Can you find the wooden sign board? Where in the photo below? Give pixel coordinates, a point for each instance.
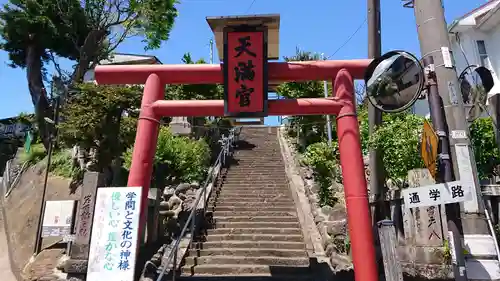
(245, 71)
(58, 218)
(429, 148)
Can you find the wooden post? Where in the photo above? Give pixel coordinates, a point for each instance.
(388, 246)
(77, 264)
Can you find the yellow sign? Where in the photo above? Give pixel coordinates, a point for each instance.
(429, 148)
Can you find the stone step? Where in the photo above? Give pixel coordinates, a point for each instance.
(256, 188)
(251, 206)
(254, 213)
(283, 231)
(246, 197)
(232, 209)
(255, 237)
(230, 269)
(236, 244)
(247, 277)
(258, 183)
(255, 191)
(253, 198)
(255, 194)
(256, 224)
(250, 173)
(256, 175)
(255, 184)
(264, 163)
(257, 200)
(242, 260)
(257, 169)
(254, 219)
(251, 252)
(271, 180)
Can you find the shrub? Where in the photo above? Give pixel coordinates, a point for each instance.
(61, 164)
(35, 155)
(182, 158)
(485, 147)
(323, 160)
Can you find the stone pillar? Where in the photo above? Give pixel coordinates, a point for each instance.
(180, 126)
(76, 266)
(423, 226)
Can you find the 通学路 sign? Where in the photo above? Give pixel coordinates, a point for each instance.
(437, 194)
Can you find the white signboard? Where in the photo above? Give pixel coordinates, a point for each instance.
(438, 194)
(466, 174)
(458, 134)
(57, 218)
(115, 234)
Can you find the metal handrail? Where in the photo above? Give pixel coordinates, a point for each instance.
(226, 145)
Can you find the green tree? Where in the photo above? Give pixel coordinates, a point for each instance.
(37, 32)
(194, 91)
(311, 129)
(485, 147)
(398, 138)
(100, 119)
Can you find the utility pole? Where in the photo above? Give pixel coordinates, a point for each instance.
(434, 41)
(328, 121)
(434, 46)
(377, 180)
(445, 166)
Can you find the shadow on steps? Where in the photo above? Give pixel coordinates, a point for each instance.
(316, 271)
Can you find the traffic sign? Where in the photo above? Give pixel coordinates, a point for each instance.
(429, 148)
(438, 194)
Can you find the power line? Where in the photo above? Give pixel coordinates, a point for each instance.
(349, 38)
(250, 6)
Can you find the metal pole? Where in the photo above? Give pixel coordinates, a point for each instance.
(328, 121)
(377, 180)
(445, 167)
(211, 51)
(434, 41)
(38, 238)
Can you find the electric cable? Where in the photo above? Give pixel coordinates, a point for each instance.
(349, 38)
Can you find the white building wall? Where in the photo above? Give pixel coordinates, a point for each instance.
(468, 46)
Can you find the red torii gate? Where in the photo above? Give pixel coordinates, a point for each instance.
(342, 104)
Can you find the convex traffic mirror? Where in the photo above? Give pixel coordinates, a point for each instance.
(475, 83)
(394, 81)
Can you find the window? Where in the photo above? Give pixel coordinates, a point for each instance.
(483, 55)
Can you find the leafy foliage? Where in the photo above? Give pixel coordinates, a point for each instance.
(36, 154)
(61, 164)
(194, 91)
(398, 139)
(323, 159)
(485, 147)
(36, 33)
(310, 129)
(183, 159)
(101, 117)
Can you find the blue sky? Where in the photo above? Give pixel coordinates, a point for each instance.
(316, 25)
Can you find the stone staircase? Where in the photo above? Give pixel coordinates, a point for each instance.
(255, 232)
